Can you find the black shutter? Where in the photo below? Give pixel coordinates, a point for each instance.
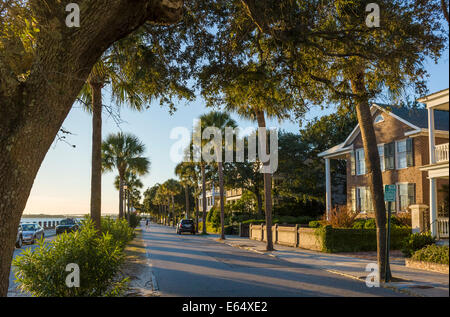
(410, 152)
(389, 156)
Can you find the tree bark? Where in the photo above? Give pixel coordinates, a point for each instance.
(204, 197)
(174, 219)
(259, 202)
(444, 8)
(121, 196)
(222, 210)
(32, 111)
(196, 214)
(372, 160)
(96, 168)
(267, 186)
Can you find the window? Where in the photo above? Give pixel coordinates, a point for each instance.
(401, 154)
(379, 118)
(381, 153)
(360, 162)
(362, 200)
(406, 195)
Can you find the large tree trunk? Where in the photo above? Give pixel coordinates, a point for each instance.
(32, 111)
(222, 201)
(96, 168)
(204, 197)
(373, 169)
(267, 186)
(259, 202)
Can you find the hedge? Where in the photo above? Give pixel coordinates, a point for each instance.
(354, 240)
(432, 253)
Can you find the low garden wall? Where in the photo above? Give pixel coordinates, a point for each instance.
(327, 239)
(427, 266)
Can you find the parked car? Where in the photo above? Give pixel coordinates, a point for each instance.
(67, 225)
(32, 232)
(186, 225)
(19, 237)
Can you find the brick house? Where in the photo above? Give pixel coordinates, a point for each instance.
(403, 144)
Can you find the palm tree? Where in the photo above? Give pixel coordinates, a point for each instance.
(124, 152)
(125, 89)
(220, 120)
(172, 189)
(133, 185)
(188, 178)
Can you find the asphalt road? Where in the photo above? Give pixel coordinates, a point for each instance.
(49, 235)
(194, 266)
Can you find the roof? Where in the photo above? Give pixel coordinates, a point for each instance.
(416, 118)
(419, 117)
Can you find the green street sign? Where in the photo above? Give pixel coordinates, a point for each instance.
(389, 193)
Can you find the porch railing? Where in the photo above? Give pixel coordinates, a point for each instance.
(441, 151)
(442, 227)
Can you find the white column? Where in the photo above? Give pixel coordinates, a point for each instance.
(433, 207)
(431, 135)
(328, 186)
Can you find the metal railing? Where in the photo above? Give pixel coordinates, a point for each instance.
(441, 152)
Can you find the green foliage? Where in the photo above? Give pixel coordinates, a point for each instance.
(432, 253)
(290, 220)
(315, 224)
(41, 271)
(354, 240)
(213, 217)
(134, 220)
(119, 229)
(415, 242)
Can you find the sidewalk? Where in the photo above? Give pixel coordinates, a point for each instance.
(411, 281)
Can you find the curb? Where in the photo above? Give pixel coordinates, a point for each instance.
(404, 289)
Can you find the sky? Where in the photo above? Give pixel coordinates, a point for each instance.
(62, 185)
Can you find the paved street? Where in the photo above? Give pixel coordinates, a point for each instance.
(49, 235)
(197, 266)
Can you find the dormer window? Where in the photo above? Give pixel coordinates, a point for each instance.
(379, 118)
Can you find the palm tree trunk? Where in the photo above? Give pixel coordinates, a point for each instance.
(120, 196)
(196, 214)
(188, 207)
(373, 169)
(96, 169)
(173, 213)
(204, 197)
(259, 202)
(222, 211)
(267, 186)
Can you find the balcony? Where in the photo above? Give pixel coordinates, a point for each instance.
(441, 153)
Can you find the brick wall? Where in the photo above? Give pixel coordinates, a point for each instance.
(388, 131)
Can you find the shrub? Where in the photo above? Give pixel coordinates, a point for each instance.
(402, 219)
(42, 271)
(120, 231)
(432, 253)
(415, 242)
(359, 224)
(370, 224)
(135, 219)
(315, 224)
(354, 240)
(341, 217)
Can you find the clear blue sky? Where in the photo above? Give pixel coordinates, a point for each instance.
(62, 185)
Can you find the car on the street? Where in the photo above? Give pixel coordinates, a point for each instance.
(186, 225)
(32, 232)
(19, 237)
(67, 225)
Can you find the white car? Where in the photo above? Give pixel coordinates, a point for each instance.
(32, 232)
(19, 238)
